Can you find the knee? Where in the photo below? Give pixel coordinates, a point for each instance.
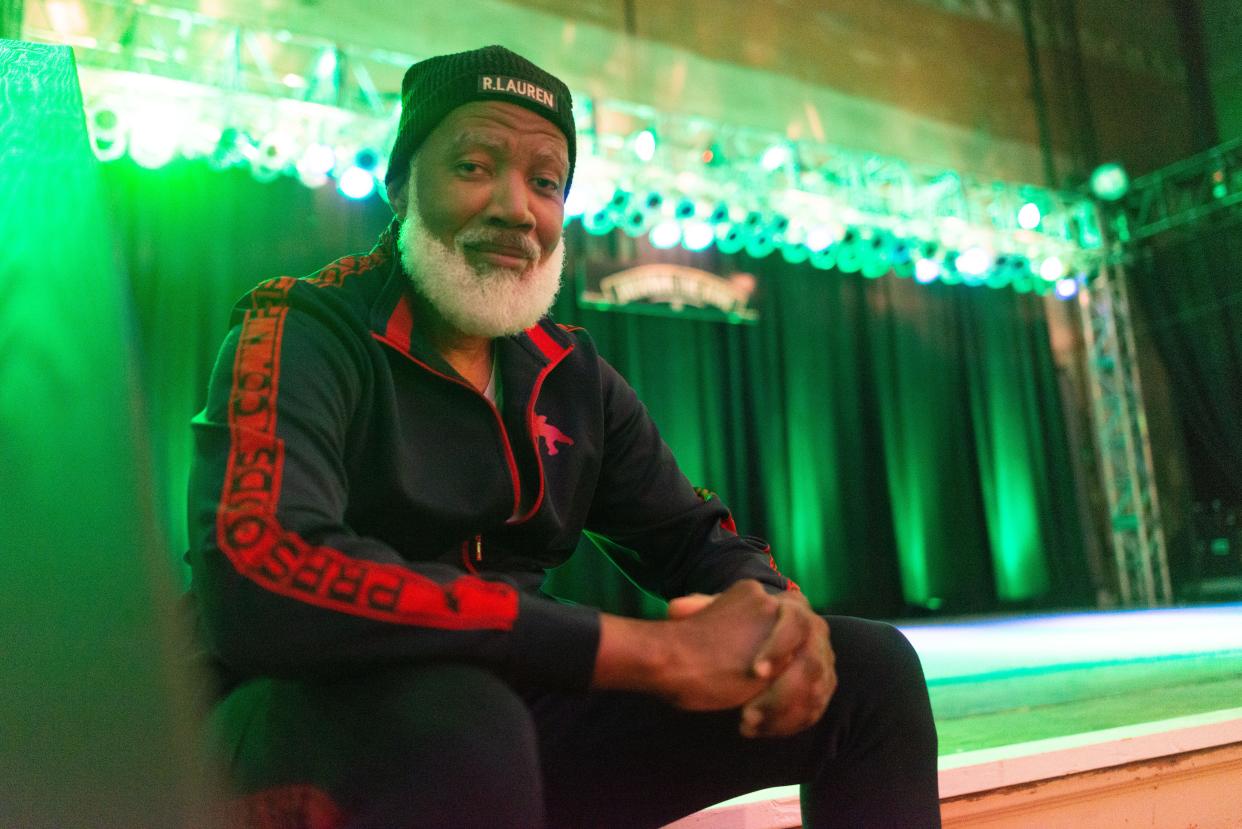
(878, 651)
(455, 717)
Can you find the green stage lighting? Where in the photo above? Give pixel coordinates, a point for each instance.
(1030, 216)
(697, 236)
(1052, 269)
(645, 145)
(1110, 182)
(665, 234)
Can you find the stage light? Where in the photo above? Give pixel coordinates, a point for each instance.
(685, 209)
(926, 270)
(1030, 216)
(1000, 273)
(578, 201)
(645, 145)
(973, 262)
(107, 136)
(356, 183)
(949, 274)
(820, 237)
(874, 252)
(795, 253)
(719, 214)
(731, 238)
(1219, 188)
(272, 156)
(233, 148)
(697, 236)
(775, 157)
(619, 201)
(848, 258)
(598, 222)
(665, 234)
(153, 140)
(1066, 288)
(760, 244)
(315, 165)
(1110, 182)
(1052, 269)
(901, 258)
(824, 259)
(325, 65)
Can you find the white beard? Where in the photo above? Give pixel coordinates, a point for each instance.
(483, 302)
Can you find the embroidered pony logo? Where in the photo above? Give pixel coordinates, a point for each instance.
(551, 435)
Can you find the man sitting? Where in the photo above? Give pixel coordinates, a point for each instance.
(393, 452)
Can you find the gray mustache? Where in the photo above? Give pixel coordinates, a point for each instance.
(500, 237)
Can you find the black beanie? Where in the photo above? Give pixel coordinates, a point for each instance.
(434, 87)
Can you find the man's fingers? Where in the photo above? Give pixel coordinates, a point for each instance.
(790, 630)
(684, 606)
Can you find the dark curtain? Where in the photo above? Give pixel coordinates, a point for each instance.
(1188, 286)
(900, 445)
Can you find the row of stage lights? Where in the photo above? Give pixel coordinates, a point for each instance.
(601, 206)
(873, 252)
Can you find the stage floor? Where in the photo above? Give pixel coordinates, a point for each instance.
(1021, 701)
(1003, 681)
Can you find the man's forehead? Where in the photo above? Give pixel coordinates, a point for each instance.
(501, 126)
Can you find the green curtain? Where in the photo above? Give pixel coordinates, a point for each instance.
(899, 445)
(1188, 285)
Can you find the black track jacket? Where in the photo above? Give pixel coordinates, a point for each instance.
(355, 502)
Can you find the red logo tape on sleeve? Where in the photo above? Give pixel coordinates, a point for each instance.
(259, 548)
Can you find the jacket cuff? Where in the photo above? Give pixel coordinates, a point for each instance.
(554, 644)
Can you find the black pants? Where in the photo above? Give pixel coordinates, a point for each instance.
(452, 745)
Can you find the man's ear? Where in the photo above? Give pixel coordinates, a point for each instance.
(397, 197)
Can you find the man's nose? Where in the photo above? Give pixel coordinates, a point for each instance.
(511, 201)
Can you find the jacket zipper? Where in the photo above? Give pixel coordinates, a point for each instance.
(500, 423)
(478, 554)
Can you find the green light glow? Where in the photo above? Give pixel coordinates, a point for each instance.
(645, 145)
(1052, 269)
(775, 157)
(1029, 216)
(665, 235)
(1110, 182)
(94, 715)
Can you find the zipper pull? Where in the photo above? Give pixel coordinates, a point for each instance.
(478, 548)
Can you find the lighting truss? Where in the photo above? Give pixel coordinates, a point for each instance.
(162, 83)
(1123, 445)
(1185, 192)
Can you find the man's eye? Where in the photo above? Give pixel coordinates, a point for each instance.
(469, 167)
(547, 184)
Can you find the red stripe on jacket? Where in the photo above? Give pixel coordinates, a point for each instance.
(279, 560)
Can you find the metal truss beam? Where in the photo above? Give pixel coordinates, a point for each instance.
(1123, 444)
(1185, 192)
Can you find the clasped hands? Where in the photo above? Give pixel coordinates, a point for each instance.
(772, 657)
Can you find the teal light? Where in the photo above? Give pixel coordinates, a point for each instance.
(598, 222)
